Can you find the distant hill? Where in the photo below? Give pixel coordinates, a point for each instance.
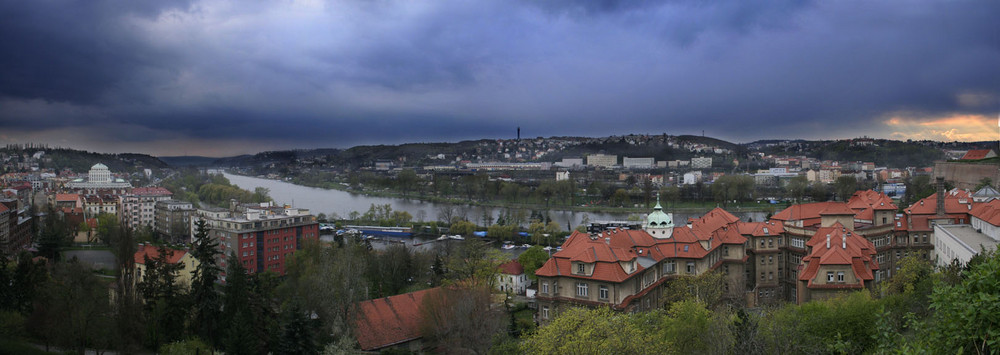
(188, 160)
(81, 161)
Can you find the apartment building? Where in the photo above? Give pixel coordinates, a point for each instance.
(263, 236)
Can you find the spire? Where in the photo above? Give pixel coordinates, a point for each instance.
(657, 207)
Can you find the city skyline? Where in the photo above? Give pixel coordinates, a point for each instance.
(216, 78)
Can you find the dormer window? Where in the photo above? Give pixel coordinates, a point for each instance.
(685, 248)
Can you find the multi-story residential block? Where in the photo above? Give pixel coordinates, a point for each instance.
(602, 160)
(637, 163)
(137, 207)
(701, 163)
(94, 205)
(15, 228)
(172, 219)
(263, 237)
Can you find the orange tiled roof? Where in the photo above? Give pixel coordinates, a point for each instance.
(989, 212)
(807, 211)
(67, 197)
(976, 154)
(845, 248)
(955, 201)
(391, 320)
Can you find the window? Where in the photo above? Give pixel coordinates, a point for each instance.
(581, 289)
(770, 242)
(840, 276)
(581, 269)
(762, 243)
(725, 269)
(649, 278)
(603, 292)
(762, 276)
(545, 312)
(725, 250)
(690, 267)
(670, 267)
(762, 260)
(829, 276)
(770, 275)
(545, 287)
(770, 259)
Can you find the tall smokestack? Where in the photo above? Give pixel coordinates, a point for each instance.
(940, 196)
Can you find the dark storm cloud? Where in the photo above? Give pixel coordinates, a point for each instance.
(315, 73)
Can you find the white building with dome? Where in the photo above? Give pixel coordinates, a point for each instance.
(99, 178)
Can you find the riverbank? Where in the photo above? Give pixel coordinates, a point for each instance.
(673, 206)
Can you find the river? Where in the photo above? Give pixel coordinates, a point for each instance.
(341, 203)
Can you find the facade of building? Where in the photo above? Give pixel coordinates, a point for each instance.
(172, 219)
(638, 163)
(602, 160)
(512, 278)
(15, 228)
(701, 163)
(137, 207)
(626, 269)
(263, 237)
(99, 179)
(805, 252)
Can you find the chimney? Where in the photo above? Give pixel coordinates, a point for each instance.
(940, 196)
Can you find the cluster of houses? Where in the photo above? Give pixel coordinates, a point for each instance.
(805, 252)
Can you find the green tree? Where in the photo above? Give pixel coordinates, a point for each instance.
(620, 198)
(406, 180)
(845, 186)
(706, 288)
(532, 259)
(797, 188)
(164, 300)
(239, 336)
(204, 296)
(598, 331)
(965, 315)
(462, 228)
(53, 233)
(461, 319)
(72, 309)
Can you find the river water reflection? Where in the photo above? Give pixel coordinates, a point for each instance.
(341, 203)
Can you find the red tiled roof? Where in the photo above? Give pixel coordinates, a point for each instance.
(837, 209)
(806, 211)
(989, 212)
(976, 154)
(844, 248)
(147, 191)
(512, 268)
(153, 252)
(67, 197)
(953, 203)
(391, 320)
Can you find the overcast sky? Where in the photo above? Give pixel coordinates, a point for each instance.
(219, 78)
